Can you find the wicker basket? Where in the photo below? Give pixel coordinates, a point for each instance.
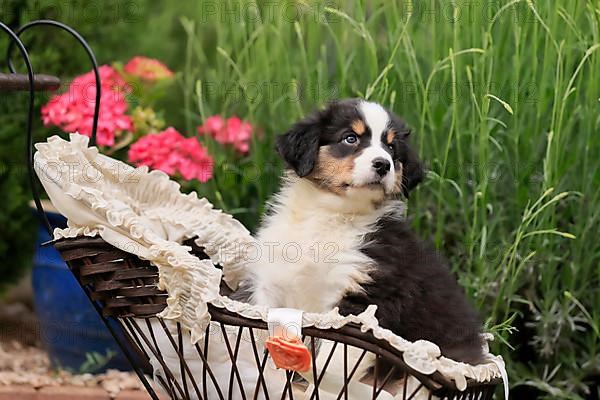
(125, 288)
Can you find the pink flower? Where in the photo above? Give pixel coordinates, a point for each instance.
(73, 111)
(148, 69)
(212, 125)
(195, 162)
(234, 131)
(171, 153)
(109, 79)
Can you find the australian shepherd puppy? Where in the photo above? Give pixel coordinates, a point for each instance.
(336, 234)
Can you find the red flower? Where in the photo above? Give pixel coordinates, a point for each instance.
(73, 111)
(148, 69)
(234, 131)
(171, 153)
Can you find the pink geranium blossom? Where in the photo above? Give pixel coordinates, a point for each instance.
(148, 69)
(73, 111)
(232, 131)
(109, 79)
(212, 125)
(172, 153)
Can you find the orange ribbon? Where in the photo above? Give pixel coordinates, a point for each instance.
(292, 355)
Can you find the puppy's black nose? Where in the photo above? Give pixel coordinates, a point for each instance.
(381, 166)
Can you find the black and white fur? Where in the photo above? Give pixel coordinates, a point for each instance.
(336, 236)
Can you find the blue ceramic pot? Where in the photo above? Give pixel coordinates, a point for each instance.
(70, 328)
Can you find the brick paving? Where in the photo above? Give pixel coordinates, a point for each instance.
(21, 392)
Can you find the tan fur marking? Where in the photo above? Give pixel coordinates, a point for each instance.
(331, 173)
(391, 134)
(358, 126)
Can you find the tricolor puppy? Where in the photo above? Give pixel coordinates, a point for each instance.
(336, 234)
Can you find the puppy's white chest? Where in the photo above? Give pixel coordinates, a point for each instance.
(309, 261)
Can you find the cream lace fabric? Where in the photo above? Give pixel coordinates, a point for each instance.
(145, 213)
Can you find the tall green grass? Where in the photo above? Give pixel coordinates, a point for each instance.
(504, 100)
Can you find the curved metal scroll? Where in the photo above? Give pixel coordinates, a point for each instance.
(36, 195)
(89, 52)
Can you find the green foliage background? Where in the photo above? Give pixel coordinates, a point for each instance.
(504, 99)
(116, 31)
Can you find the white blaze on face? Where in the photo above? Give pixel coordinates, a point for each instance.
(377, 119)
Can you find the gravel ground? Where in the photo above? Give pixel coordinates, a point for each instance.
(24, 362)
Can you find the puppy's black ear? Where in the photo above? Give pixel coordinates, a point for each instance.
(299, 146)
(413, 171)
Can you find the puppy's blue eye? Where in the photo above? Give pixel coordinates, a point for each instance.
(350, 139)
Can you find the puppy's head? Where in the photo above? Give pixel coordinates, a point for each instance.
(353, 145)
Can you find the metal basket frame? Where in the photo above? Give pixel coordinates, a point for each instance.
(124, 291)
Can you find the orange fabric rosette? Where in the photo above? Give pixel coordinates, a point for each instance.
(292, 355)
